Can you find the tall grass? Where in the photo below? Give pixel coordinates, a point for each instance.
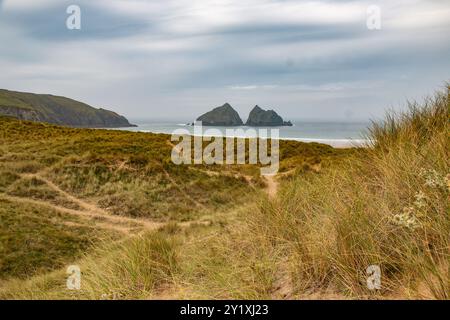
(132, 268)
(389, 207)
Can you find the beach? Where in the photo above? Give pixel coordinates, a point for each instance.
(336, 134)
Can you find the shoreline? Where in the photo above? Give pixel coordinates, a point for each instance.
(335, 143)
(339, 143)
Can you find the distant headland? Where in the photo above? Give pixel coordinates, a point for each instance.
(57, 110)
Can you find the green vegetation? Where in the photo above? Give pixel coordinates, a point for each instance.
(90, 183)
(129, 174)
(212, 231)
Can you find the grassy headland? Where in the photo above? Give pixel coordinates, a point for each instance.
(57, 110)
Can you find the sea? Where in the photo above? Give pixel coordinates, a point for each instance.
(336, 134)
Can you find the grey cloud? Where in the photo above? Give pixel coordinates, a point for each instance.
(144, 63)
(48, 23)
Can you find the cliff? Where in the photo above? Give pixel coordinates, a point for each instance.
(57, 110)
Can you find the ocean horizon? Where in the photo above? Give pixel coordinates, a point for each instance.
(337, 134)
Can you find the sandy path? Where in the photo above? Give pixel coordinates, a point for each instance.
(94, 215)
(272, 183)
(83, 204)
(95, 218)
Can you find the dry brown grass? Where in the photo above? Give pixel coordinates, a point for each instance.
(387, 205)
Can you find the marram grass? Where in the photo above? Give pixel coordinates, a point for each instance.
(385, 206)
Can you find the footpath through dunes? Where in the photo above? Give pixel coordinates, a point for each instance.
(92, 214)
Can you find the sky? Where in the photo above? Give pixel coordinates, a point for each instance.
(176, 59)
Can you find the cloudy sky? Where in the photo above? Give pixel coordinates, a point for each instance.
(178, 58)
